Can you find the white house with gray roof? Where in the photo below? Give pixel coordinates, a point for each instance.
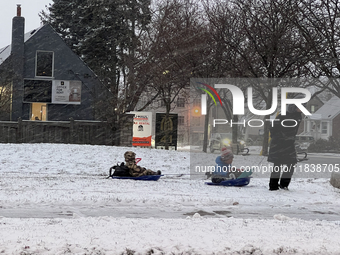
(325, 122)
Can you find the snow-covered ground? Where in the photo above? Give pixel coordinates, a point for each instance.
(56, 199)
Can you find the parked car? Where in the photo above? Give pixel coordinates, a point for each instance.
(220, 140)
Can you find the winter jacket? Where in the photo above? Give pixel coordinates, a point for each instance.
(222, 169)
(282, 145)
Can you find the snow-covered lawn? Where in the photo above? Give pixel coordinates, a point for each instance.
(56, 199)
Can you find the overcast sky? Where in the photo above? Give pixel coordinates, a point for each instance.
(29, 10)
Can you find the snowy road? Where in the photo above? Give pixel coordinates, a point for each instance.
(69, 196)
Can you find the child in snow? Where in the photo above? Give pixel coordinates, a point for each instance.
(134, 170)
(224, 170)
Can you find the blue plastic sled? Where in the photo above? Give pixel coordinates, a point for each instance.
(233, 182)
(140, 178)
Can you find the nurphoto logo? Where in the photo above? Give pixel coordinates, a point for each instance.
(238, 99)
(238, 105)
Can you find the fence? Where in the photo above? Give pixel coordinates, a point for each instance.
(73, 131)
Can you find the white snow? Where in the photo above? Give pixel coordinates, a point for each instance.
(56, 199)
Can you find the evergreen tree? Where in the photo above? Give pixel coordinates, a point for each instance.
(67, 19)
(105, 34)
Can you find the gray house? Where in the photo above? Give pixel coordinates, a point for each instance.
(41, 78)
(325, 122)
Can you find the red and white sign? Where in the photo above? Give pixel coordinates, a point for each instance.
(142, 127)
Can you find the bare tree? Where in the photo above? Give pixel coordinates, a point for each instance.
(319, 23)
(177, 49)
(260, 41)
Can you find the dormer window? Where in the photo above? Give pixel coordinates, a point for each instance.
(44, 64)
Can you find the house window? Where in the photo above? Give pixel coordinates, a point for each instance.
(181, 120)
(180, 102)
(324, 128)
(44, 64)
(37, 91)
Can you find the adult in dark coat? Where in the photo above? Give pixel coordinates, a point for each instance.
(282, 147)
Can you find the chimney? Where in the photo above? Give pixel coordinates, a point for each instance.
(18, 10)
(18, 30)
(17, 58)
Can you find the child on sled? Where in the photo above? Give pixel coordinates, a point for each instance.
(130, 168)
(134, 169)
(224, 170)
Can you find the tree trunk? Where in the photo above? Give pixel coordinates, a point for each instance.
(265, 136)
(269, 102)
(167, 126)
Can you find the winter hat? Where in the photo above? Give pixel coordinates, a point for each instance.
(226, 154)
(130, 156)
